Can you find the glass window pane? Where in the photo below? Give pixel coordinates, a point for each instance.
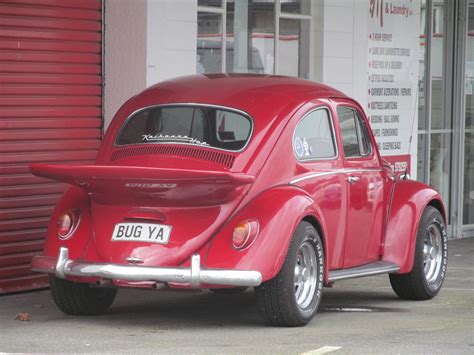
(468, 192)
(216, 3)
(421, 158)
(209, 43)
(438, 83)
(250, 36)
(296, 6)
(440, 164)
(468, 195)
(313, 137)
(348, 127)
(422, 69)
(199, 125)
(294, 48)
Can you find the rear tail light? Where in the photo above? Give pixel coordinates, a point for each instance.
(67, 223)
(245, 234)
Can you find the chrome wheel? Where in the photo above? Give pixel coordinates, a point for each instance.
(306, 275)
(432, 253)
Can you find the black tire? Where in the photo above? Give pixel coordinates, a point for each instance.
(229, 291)
(276, 298)
(76, 298)
(417, 285)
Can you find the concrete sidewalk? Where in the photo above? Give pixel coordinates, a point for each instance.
(356, 316)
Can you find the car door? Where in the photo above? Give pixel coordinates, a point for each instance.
(364, 178)
(318, 171)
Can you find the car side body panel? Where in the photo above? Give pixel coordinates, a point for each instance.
(279, 211)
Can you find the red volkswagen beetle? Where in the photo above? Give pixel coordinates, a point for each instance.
(225, 182)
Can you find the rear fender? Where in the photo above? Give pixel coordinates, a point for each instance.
(410, 199)
(77, 199)
(278, 210)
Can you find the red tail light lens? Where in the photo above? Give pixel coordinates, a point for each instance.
(67, 222)
(245, 234)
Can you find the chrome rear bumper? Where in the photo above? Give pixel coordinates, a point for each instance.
(194, 275)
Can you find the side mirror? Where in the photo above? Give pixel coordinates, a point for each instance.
(404, 176)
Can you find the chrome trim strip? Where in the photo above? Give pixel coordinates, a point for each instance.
(194, 275)
(376, 268)
(333, 172)
(181, 104)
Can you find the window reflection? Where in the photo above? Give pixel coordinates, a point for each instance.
(296, 6)
(468, 192)
(294, 48)
(250, 36)
(209, 43)
(440, 164)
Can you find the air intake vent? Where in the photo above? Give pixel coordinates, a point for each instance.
(199, 153)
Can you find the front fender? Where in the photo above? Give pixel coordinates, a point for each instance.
(410, 199)
(278, 210)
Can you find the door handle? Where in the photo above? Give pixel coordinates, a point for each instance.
(353, 179)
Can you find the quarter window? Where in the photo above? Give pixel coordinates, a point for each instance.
(354, 131)
(313, 138)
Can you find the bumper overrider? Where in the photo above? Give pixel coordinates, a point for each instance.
(194, 276)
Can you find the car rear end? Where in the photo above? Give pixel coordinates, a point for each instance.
(145, 216)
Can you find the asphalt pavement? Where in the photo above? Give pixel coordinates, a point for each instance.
(361, 316)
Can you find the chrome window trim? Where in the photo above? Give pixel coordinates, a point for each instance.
(334, 172)
(184, 104)
(333, 132)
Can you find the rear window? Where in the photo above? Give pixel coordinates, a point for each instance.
(198, 125)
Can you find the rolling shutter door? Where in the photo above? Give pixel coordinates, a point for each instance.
(50, 111)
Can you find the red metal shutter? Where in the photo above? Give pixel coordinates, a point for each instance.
(50, 111)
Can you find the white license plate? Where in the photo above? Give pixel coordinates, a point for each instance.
(142, 232)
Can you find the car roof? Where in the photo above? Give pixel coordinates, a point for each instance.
(263, 97)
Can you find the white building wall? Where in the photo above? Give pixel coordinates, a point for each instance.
(125, 50)
(338, 45)
(340, 42)
(171, 39)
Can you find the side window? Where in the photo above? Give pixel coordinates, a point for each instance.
(365, 145)
(313, 138)
(355, 135)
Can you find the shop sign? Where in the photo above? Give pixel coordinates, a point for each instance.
(392, 67)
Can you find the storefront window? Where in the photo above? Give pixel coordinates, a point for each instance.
(468, 193)
(209, 43)
(216, 3)
(296, 6)
(294, 48)
(422, 154)
(435, 126)
(441, 123)
(421, 74)
(252, 38)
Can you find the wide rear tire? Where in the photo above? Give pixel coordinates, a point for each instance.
(293, 296)
(76, 298)
(430, 263)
